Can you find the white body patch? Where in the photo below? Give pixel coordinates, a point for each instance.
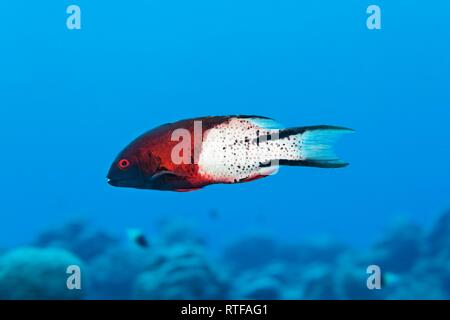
(236, 149)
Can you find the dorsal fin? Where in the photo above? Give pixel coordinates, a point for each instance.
(263, 122)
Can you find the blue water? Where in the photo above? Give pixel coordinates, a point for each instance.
(70, 100)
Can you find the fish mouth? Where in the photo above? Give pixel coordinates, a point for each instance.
(113, 182)
(125, 183)
(120, 182)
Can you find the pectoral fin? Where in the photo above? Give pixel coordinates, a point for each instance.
(164, 174)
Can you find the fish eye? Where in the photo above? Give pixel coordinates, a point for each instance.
(123, 164)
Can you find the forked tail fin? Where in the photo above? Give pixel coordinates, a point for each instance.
(315, 147)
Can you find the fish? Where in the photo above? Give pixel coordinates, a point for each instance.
(190, 154)
(137, 237)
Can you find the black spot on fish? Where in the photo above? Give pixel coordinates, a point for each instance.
(264, 164)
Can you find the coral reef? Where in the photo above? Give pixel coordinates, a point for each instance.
(77, 237)
(113, 273)
(247, 254)
(32, 273)
(438, 241)
(429, 279)
(176, 264)
(268, 283)
(180, 272)
(401, 249)
(175, 232)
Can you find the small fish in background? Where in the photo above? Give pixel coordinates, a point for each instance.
(232, 149)
(137, 237)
